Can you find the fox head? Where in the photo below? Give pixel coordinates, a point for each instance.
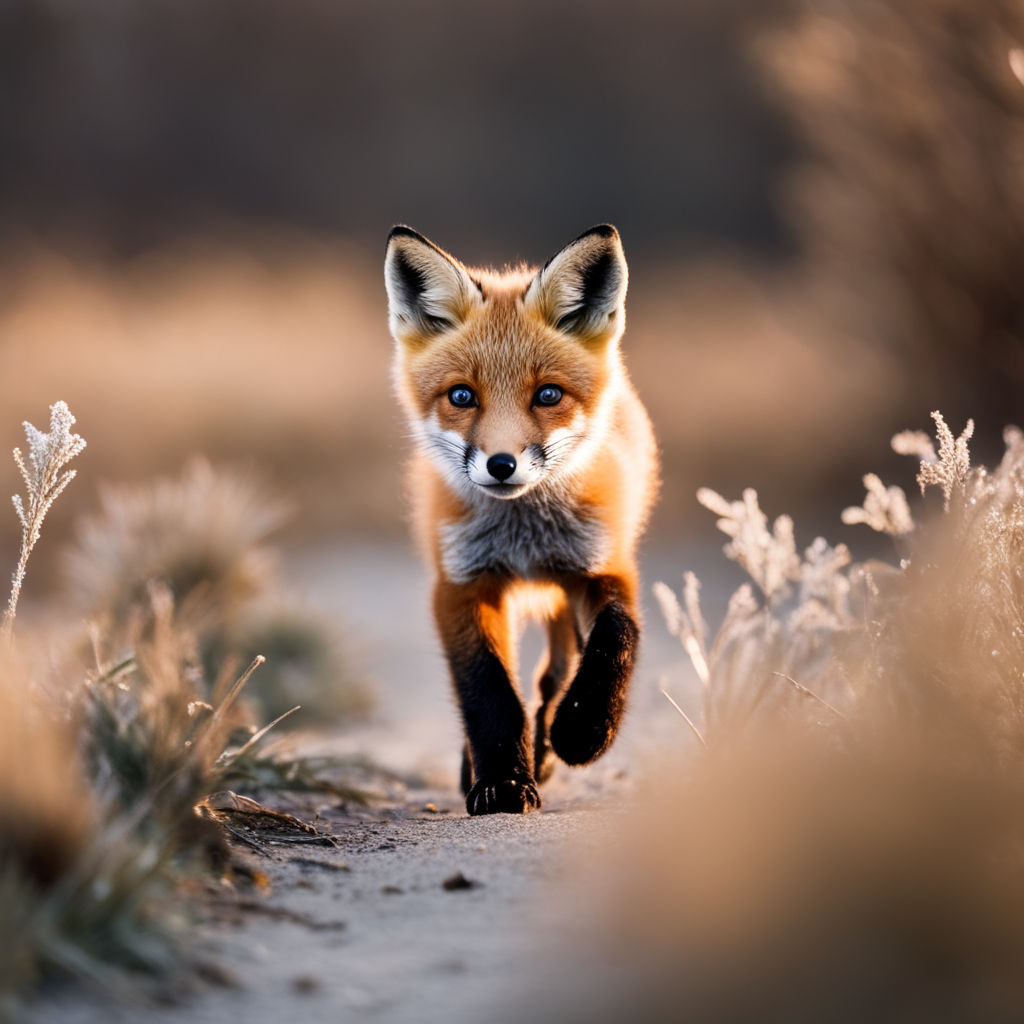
(507, 378)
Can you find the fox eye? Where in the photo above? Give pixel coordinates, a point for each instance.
(461, 396)
(548, 395)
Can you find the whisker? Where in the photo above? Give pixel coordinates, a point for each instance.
(556, 449)
(568, 439)
(444, 444)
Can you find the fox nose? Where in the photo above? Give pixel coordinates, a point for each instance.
(501, 466)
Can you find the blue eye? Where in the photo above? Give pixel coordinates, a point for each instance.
(461, 396)
(549, 395)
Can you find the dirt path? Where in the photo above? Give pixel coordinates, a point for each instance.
(369, 931)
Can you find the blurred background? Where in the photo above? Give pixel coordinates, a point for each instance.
(821, 204)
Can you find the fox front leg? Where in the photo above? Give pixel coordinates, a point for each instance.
(474, 633)
(588, 716)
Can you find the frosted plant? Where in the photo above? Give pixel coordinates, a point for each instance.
(823, 584)
(768, 556)
(686, 621)
(772, 653)
(45, 477)
(1005, 485)
(885, 509)
(950, 470)
(914, 442)
(943, 626)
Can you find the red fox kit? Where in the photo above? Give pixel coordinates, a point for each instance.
(534, 473)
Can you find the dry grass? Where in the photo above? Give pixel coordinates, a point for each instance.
(103, 767)
(94, 866)
(848, 844)
(202, 531)
(205, 536)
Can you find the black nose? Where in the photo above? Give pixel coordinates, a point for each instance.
(501, 466)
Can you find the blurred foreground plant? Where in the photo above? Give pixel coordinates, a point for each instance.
(820, 634)
(104, 772)
(848, 842)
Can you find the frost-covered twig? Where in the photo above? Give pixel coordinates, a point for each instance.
(688, 625)
(686, 718)
(806, 692)
(48, 454)
(951, 469)
(768, 556)
(885, 509)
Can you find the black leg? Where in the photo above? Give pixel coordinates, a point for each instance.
(589, 714)
(497, 731)
(466, 771)
(498, 737)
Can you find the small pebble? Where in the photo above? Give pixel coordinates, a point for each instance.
(306, 984)
(458, 881)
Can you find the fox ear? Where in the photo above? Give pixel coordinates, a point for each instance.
(581, 290)
(429, 292)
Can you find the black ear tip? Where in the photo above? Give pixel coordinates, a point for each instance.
(404, 231)
(607, 231)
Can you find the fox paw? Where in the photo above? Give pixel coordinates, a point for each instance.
(578, 735)
(508, 796)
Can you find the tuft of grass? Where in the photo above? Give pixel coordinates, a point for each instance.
(104, 770)
(203, 534)
(205, 537)
(100, 831)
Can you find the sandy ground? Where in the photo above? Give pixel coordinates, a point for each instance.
(368, 931)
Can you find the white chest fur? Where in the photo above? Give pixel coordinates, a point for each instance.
(532, 537)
